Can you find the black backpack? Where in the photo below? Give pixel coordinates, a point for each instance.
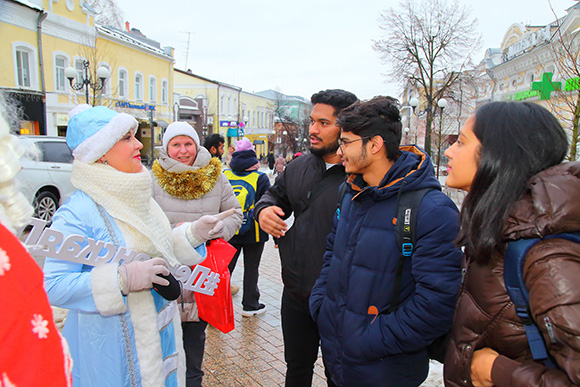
(408, 203)
(513, 274)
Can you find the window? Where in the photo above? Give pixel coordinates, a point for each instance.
(79, 67)
(122, 86)
(152, 89)
(25, 64)
(55, 152)
(138, 87)
(60, 81)
(164, 91)
(23, 68)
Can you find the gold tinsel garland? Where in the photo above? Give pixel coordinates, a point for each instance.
(188, 185)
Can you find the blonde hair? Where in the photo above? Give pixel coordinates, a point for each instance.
(15, 211)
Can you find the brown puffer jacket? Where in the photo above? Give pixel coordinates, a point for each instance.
(485, 315)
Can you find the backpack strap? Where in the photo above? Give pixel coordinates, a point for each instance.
(513, 273)
(408, 203)
(328, 180)
(341, 193)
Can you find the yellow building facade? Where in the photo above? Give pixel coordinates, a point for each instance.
(212, 106)
(41, 38)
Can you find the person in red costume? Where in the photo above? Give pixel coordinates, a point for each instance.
(32, 352)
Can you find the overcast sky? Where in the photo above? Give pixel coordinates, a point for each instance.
(301, 46)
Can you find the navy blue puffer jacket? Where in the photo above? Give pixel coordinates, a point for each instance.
(359, 268)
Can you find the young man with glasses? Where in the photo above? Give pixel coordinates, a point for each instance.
(308, 187)
(372, 332)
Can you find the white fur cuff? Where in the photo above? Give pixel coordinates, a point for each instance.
(106, 293)
(184, 246)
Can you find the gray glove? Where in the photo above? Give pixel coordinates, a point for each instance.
(140, 275)
(210, 226)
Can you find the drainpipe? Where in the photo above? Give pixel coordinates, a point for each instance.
(41, 16)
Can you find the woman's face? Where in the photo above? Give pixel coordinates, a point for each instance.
(463, 158)
(124, 156)
(182, 149)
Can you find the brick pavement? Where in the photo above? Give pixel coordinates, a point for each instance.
(253, 353)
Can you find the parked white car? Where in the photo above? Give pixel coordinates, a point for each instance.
(45, 180)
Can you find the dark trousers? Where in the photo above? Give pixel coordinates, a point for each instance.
(252, 257)
(301, 340)
(194, 345)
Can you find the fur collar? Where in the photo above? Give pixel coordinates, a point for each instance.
(191, 184)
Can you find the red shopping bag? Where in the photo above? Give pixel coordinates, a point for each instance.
(218, 310)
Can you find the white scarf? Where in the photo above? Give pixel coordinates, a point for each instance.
(127, 198)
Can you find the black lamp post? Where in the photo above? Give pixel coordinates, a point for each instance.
(85, 82)
(429, 110)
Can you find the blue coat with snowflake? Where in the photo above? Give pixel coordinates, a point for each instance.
(359, 347)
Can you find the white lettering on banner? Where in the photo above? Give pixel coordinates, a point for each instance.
(42, 242)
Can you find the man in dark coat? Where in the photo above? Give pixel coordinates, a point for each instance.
(271, 161)
(308, 187)
(364, 343)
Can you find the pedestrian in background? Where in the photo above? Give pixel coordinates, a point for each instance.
(249, 184)
(280, 164)
(271, 161)
(32, 352)
(508, 157)
(308, 188)
(189, 186)
(363, 254)
(113, 326)
(214, 143)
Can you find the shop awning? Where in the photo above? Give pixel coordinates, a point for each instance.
(232, 132)
(161, 123)
(258, 142)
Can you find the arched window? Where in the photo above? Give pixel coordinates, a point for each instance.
(61, 61)
(152, 89)
(164, 91)
(138, 87)
(123, 83)
(25, 65)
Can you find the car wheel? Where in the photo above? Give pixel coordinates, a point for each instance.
(45, 205)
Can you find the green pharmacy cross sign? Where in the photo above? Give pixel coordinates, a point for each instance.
(544, 88)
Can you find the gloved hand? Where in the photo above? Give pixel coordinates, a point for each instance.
(137, 275)
(207, 227)
(210, 226)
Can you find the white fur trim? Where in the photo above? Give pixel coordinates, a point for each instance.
(94, 147)
(179, 347)
(147, 340)
(106, 293)
(183, 246)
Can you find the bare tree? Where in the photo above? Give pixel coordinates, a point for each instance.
(565, 50)
(108, 13)
(427, 45)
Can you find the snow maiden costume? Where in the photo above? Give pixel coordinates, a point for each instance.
(116, 339)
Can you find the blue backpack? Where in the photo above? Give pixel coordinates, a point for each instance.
(513, 273)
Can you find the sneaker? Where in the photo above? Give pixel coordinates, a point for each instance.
(235, 290)
(249, 313)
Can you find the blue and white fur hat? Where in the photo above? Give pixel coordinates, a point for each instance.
(92, 131)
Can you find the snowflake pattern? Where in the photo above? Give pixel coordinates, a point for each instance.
(4, 262)
(39, 326)
(6, 382)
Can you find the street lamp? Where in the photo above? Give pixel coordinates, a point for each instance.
(430, 110)
(442, 103)
(86, 82)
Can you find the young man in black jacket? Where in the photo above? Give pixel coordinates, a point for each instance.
(309, 188)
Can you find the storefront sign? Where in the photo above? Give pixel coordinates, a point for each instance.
(61, 119)
(129, 105)
(543, 89)
(231, 124)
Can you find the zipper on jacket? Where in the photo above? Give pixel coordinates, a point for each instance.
(550, 329)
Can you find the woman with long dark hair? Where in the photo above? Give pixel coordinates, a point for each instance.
(509, 159)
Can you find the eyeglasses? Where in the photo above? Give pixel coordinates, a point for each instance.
(342, 142)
